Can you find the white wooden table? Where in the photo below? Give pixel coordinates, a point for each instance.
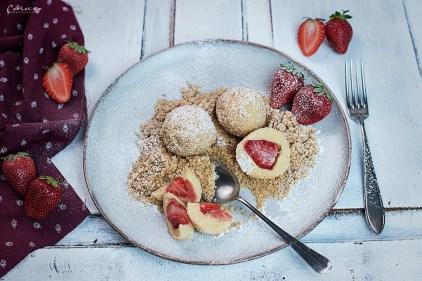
(387, 36)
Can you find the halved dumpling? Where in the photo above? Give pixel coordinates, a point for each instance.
(209, 217)
(264, 154)
(176, 216)
(186, 187)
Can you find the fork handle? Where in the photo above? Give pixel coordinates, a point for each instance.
(374, 208)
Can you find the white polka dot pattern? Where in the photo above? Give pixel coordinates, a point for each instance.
(14, 223)
(36, 225)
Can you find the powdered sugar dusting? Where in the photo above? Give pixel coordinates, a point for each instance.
(188, 130)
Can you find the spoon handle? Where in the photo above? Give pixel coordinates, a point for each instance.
(318, 262)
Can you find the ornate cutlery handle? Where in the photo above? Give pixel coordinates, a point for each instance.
(374, 208)
(318, 262)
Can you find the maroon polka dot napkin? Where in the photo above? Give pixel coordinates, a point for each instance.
(31, 33)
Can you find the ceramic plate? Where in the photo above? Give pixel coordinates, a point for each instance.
(111, 148)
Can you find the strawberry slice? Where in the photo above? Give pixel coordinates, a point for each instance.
(263, 153)
(214, 210)
(57, 81)
(177, 214)
(310, 35)
(182, 188)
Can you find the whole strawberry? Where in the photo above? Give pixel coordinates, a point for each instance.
(42, 195)
(311, 104)
(74, 55)
(339, 31)
(19, 169)
(286, 82)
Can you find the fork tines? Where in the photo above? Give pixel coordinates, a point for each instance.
(354, 76)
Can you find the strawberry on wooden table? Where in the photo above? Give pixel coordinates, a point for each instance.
(19, 169)
(339, 31)
(42, 195)
(311, 104)
(74, 55)
(286, 82)
(311, 34)
(57, 81)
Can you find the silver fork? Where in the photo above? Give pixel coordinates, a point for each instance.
(357, 104)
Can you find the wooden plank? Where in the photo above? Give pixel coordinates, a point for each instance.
(114, 38)
(159, 26)
(391, 70)
(257, 25)
(413, 10)
(400, 225)
(203, 19)
(376, 260)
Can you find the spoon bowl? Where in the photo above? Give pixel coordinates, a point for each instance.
(227, 186)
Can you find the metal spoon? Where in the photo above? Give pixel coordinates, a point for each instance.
(227, 189)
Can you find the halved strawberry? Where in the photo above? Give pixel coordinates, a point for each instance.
(57, 81)
(262, 152)
(310, 35)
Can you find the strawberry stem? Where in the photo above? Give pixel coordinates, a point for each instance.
(320, 89)
(78, 48)
(50, 180)
(290, 67)
(343, 15)
(14, 156)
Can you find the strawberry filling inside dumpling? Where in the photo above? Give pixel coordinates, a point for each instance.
(263, 153)
(215, 211)
(183, 189)
(209, 218)
(176, 214)
(177, 218)
(186, 187)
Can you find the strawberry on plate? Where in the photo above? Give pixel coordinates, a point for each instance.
(42, 195)
(19, 169)
(310, 35)
(339, 31)
(264, 153)
(286, 82)
(74, 55)
(311, 104)
(57, 81)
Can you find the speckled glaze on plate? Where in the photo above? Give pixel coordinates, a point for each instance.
(111, 147)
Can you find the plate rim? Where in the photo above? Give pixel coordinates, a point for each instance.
(339, 188)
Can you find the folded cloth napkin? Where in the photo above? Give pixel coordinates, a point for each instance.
(31, 33)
